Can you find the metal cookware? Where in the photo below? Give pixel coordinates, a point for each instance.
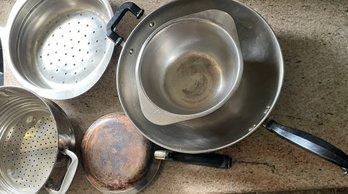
(118, 159)
(189, 67)
(35, 135)
(57, 48)
(244, 112)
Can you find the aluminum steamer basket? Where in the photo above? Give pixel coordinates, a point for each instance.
(57, 48)
(34, 135)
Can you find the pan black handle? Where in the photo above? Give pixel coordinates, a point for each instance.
(311, 143)
(120, 12)
(210, 160)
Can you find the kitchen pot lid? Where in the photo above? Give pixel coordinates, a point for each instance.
(116, 157)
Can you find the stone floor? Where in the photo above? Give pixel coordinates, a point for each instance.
(323, 191)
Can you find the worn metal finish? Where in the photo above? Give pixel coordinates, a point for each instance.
(116, 157)
(30, 131)
(58, 48)
(189, 67)
(246, 109)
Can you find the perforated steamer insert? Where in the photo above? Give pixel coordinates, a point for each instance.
(72, 49)
(59, 49)
(33, 133)
(29, 150)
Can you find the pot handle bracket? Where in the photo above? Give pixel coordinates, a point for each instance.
(115, 20)
(310, 143)
(64, 185)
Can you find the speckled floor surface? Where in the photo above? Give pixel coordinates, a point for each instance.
(323, 191)
(313, 36)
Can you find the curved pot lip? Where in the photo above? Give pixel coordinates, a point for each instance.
(62, 93)
(43, 101)
(270, 108)
(211, 109)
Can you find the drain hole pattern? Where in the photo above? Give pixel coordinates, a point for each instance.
(29, 151)
(73, 47)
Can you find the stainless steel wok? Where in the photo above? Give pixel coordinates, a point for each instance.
(245, 111)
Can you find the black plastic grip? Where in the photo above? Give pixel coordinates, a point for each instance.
(120, 12)
(311, 143)
(1, 59)
(210, 160)
(1, 66)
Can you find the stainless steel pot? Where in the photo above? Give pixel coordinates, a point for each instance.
(245, 111)
(35, 134)
(189, 67)
(58, 48)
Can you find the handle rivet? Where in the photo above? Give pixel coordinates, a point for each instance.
(131, 51)
(151, 24)
(267, 109)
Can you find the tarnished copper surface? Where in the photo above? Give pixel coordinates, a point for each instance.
(115, 155)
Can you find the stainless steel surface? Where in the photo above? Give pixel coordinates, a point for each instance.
(188, 67)
(30, 139)
(56, 48)
(30, 128)
(243, 113)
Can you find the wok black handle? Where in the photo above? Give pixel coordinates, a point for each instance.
(120, 12)
(311, 143)
(1, 66)
(210, 160)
